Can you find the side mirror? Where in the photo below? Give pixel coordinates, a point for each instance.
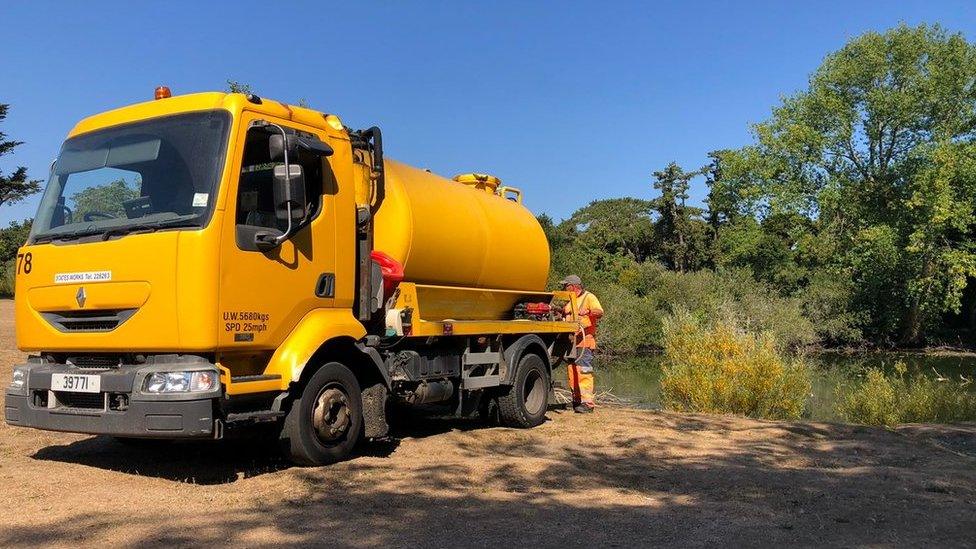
(290, 205)
(289, 192)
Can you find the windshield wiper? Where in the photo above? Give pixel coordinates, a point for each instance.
(70, 235)
(148, 227)
(118, 231)
(128, 229)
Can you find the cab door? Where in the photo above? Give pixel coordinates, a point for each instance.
(263, 294)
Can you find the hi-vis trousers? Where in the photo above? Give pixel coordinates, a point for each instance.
(581, 378)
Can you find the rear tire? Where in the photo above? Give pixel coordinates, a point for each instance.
(326, 422)
(525, 403)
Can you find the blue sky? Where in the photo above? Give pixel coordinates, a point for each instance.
(570, 101)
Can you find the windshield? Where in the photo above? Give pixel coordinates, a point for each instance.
(142, 176)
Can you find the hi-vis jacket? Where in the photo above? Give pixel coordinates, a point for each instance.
(587, 301)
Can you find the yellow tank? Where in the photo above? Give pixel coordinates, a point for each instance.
(459, 233)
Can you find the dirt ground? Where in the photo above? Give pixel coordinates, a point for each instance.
(617, 478)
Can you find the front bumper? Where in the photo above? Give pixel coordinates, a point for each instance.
(167, 416)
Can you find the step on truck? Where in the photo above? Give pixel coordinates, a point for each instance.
(207, 262)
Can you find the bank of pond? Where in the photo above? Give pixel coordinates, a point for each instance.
(834, 377)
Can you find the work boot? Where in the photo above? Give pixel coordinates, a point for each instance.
(583, 409)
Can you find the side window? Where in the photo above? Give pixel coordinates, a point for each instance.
(255, 190)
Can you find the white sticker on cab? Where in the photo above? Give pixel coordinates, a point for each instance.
(200, 199)
(87, 276)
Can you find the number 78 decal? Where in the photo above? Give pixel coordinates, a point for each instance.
(24, 263)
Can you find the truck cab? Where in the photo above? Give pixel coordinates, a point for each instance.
(208, 261)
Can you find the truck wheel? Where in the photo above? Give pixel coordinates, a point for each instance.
(326, 422)
(524, 404)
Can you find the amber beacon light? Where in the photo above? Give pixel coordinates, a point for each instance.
(162, 92)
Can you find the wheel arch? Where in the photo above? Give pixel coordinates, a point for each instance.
(365, 362)
(526, 344)
(321, 336)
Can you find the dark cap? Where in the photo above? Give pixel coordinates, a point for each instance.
(571, 279)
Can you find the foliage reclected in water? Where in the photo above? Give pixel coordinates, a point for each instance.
(890, 399)
(715, 367)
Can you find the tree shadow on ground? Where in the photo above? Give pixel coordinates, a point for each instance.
(205, 462)
(243, 456)
(782, 484)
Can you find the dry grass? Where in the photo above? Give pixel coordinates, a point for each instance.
(618, 477)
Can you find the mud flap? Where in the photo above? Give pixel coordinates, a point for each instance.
(374, 411)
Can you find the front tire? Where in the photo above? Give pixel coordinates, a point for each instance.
(525, 403)
(326, 422)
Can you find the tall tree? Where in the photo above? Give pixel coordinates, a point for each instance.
(620, 226)
(880, 150)
(675, 227)
(13, 237)
(16, 186)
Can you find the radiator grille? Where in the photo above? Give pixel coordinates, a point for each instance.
(88, 321)
(81, 401)
(95, 362)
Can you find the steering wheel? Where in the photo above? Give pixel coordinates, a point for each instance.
(90, 216)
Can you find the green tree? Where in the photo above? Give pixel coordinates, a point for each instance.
(731, 193)
(678, 229)
(11, 238)
(879, 152)
(617, 226)
(15, 186)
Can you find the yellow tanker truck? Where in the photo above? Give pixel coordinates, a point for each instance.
(208, 262)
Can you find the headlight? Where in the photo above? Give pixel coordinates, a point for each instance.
(19, 381)
(202, 381)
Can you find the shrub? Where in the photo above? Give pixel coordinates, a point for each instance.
(630, 322)
(728, 294)
(11, 238)
(7, 277)
(715, 367)
(638, 297)
(890, 399)
(826, 303)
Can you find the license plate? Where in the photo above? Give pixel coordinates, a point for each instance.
(76, 383)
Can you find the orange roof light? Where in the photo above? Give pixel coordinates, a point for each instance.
(162, 92)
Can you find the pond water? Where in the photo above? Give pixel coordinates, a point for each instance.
(638, 379)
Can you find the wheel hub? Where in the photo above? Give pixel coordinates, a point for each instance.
(331, 416)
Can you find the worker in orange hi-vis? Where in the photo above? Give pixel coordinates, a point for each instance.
(581, 370)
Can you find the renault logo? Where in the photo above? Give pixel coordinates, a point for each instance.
(80, 297)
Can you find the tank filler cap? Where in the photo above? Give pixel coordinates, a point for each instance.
(480, 181)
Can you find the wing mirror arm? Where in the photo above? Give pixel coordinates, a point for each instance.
(284, 236)
(266, 241)
(289, 183)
